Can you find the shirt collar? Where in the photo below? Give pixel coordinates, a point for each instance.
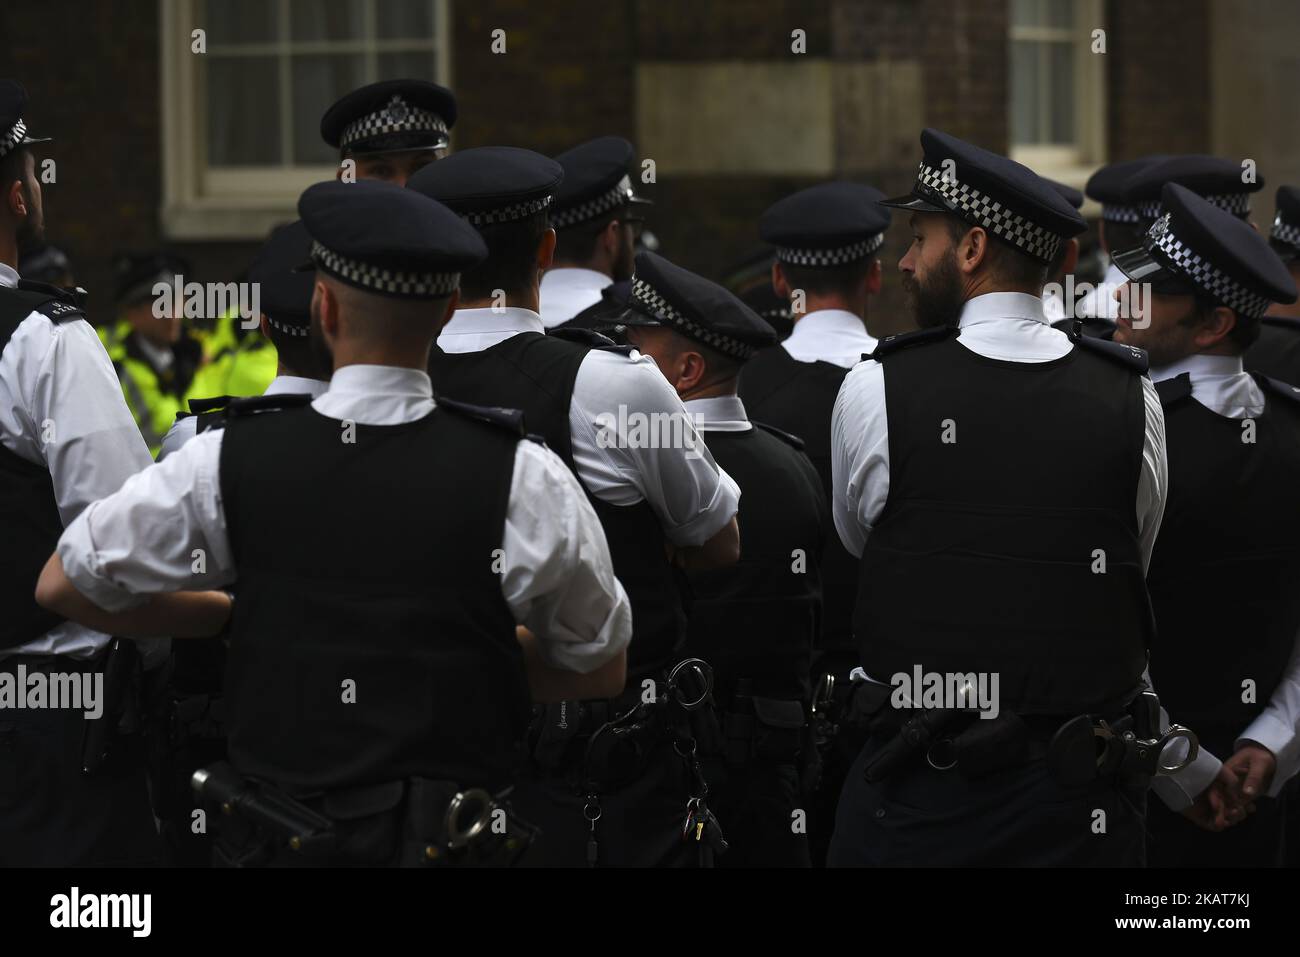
(1002, 306)
(370, 380)
(830, 320)
(471, 330)
(719, 413)
(8, 276)
(296, 385)
(575, 277)
(1200, 366)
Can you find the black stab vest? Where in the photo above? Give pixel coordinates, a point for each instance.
(798, 397)
(1276, 353)
(759, 618)
(30, 524)
(1225, 573)
(369, 565)
(536, 373)
(985, 557)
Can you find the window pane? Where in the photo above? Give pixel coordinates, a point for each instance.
(1025, 89)
(237, 21)
(317, 82)
(1060, 13)
(411, 65)
(1026, 13)
(1061, 58)
(243, 111)
(327, 19)
(404, 19)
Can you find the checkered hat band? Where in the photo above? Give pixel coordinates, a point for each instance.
(969, 202)
(1236, 203)
(1120, 213)
(287, 329)
(13, 137)
(390, 282)
(572, 215)
(1285, 232)
(831, 257)
(645, 298)
(396, 117)
(506, 214)
(1204, 274)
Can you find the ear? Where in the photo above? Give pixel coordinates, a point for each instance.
(546, 250)
(691, 370)
(16, 199)
(610, 237)
(1215, 329)
(972, 250)
(780, 285)
(875, 278)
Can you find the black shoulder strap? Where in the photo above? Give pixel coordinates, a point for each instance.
(512, 420)
(1175, 389)
(256, 404)
(1130, 357)
(905, 340)
(785, 437)
(580, 335)
(1277, 387)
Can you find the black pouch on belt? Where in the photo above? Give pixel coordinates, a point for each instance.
(553, 729)
(988, 746)
(778, 730)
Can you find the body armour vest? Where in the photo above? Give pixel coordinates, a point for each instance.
(29, 511)
(370, 640)
(1009, 543)
(799, 397)
(758, 619)
(1276, 353)
(536, 373)
(1225, 572)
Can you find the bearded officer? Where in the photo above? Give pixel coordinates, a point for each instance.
(1234, 463)
(978, 562)
(456, 526)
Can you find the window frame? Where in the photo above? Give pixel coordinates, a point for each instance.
(239, 203)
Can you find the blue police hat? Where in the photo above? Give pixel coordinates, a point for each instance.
(596, 180)
(284, 290)
(1066, 192)
(1218, 181)
(390, 116)
(1106, 186)
(1196, 246)
(1009, 200)
(13, 131)
(491, 184)
(664, 294)
(136, 274)
(1285, 234)
(826, 225)
(387, 239)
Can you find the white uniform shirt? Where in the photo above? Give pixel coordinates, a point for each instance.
(183, 430)
(556, 573)
(566, 291)
(1011, 327)
(1222, 385)
(58, 384)
(720, 413)
(829, 335)
(692, 497)
(1100, 302)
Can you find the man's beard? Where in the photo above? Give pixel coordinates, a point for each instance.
(938, 300)
(31, 233)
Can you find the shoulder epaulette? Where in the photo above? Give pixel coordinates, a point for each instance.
(905, 340)
(1279, 388)
(512, 420)
(1129, 356)
(1175, 389)
(257, 404)
(786, 437)
(580, 335)
(50, 301)
(199, 406)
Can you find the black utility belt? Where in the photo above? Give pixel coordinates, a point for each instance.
(413, 822)
(763, 730)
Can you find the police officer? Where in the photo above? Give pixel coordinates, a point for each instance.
(155, 357)
(597, 220)
(1277, 350)
(1066, 260)
(664, 503)
(66, 439)
(390, 129)
(1121, 226)
(1222, 577)
(358, 526)
(827, 239)
(284, 293)
(755, 622)
(982, 499)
